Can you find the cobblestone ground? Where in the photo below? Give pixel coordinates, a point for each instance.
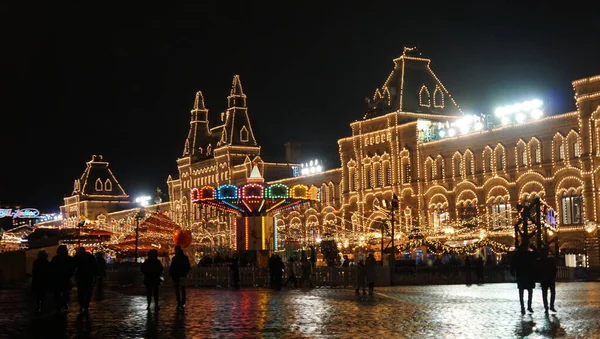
(451, 311)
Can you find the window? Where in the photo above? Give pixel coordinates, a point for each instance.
(524, 158)
(467, 212)
(244, 134)
(98, 185)
(538, 155)
(487, 162)
(369, 177)
(571, 209)
(501, 214)
(352, 180)
(468, 164)
(499, 161)
(576, 150)
(108, 185)
(561, 151)
(458, 167)
(378, 176)
(424, 97)
(438, 98)
(407, 176)
(388, 176)
(439, 218)
(430, 172)
(440, 169)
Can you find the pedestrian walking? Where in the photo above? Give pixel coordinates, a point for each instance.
(468, 270)
(361, 277)
(547, 270)
(291, 272)
(479, 270)
(86, 274)
(40, 279)
(180, 267)
(278, 272)
(152, 270)
(523, 267)
(370, 272)
(306, 272)
(62, 267)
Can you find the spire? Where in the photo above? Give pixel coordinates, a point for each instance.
(199, 136)
(255, 175)
(199, 102)
(236, 97)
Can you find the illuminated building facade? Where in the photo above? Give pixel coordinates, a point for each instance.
(456, 175)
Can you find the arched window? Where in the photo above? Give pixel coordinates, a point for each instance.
(98, 185)
(438, 97)
(108, 185)
(487, 160)
(576, 150)
(378, 176)
(572, 208)
(388, 174)
(468, 162)
(561, 151)
(439, 217)
(524, 157)
(244, 135)
(458, 168)
(424, 97)
(440, 167)
(209, 150)
(369, 177)
(499, 158)
(501, 213)
(406, 170)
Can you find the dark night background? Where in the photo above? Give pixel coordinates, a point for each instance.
(120, 80)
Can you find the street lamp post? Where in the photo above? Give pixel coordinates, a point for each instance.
(143, 201)
(393, 205)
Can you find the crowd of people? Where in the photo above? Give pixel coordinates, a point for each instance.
(55, 277)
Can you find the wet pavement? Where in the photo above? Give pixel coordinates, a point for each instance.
(450, 311)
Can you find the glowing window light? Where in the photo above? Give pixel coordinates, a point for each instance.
(227, 191)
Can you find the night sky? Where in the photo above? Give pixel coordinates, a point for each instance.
(120, 81)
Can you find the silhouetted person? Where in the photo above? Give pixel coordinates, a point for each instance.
(479, 270)
(361, 278)
(101, 263)
(370, 272)
(152, 270)
(346, 262)
(523, 266)
(63, 268)
(180, 267)
(306, 272)
(468, 270)
(85, 275)
(278, 271)
(40, 279)
(291, 273)
(235, 271)
(218, 260)
(547, 270)
(272, 265)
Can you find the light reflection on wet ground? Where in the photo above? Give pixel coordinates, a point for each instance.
(451, 311)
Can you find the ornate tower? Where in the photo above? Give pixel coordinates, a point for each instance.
(199, 140)
(237, 130)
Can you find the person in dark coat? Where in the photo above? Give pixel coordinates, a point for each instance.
(180, 267)
(272, 263)
(370, 272)
(468, 270)
(40, 280)
(101, 263)
(152, 270)
(361, 277)
(278, 271)
(63, 268)
(479, 270)
(86, 274)
(523, 267)
(547, 270)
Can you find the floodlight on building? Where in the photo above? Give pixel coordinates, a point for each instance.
(143, 200)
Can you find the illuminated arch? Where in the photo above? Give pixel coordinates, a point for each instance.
(313, 193)
(299, 191)
(227, 191)
(498, 192)
(277, 191)
(438, 97)
(424, 96)
(466, 195)
(206, 193)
